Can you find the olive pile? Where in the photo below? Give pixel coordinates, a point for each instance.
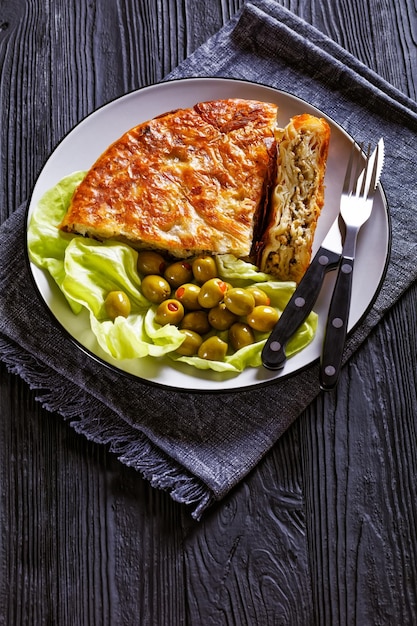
(190, 295)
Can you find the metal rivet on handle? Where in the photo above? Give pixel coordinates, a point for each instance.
(300, 302)
(275, 346)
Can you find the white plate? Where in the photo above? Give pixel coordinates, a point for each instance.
(81, 147)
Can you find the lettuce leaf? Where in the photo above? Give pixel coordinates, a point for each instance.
(93, 269)
(87, 270)
(239, 273)
(46, 243)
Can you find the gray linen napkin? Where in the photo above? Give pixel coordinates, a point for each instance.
(198, 446)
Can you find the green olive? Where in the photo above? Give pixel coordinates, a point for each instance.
(240, 335)
(260, 296)
(204, 267)
(191, 343)
(196, 321)
(178, 273)
(155, 288)
(169, 312)
(239, 301)
(220, 317)
(263, 318)
(117, 303)
(150, 262)
(211, 293)
(213, 349)
(187, 294)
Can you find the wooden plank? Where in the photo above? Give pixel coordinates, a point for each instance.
(360, 450)
(247, 562)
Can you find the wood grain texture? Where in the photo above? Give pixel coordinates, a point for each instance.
(323, 531)
(247, 562)
(362, 492)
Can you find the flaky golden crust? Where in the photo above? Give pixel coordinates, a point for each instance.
(188, 181)
(297, 199)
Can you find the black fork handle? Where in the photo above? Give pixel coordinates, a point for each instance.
(336, 327)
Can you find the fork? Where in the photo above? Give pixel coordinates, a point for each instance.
(355, 209)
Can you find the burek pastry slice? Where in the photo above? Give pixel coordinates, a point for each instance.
(297, 198)
(189, 181)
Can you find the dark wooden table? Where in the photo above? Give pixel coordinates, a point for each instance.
(324, 530)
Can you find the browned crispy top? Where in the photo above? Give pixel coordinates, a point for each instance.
(186, 181)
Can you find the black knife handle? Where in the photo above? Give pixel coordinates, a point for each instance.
(298, 308)
(336, 327)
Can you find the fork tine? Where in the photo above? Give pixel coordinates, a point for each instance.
(359, 166)
(353, 183)
(347, 183)
(368, 178)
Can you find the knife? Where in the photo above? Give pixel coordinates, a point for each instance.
(303, 299)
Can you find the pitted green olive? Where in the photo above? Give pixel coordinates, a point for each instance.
(196, 321)
(187, 294)
(213, 349)
(150, 262)
(155, 288)
(220, 317)
(211, 293)
(117, 303)
(239, 301)
(204, 268)
(260, 296)
(240, 335)
(191, 343)
(263, 318)
(178, 273)
(169, 312)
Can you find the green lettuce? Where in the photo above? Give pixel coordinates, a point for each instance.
(47, 244)
(86, 270)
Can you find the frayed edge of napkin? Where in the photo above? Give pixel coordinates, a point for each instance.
(90, 418)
